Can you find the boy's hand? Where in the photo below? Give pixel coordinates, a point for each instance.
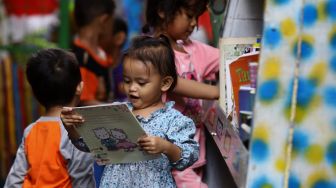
(153, 144)
(70, 121)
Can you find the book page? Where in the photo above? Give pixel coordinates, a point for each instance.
(111, 132)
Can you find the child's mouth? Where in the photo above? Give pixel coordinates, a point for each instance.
(133, 97)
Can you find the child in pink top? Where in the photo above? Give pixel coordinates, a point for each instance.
(194, 61)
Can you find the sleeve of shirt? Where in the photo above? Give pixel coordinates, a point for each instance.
(210, 60)
(181, 133)
(80, 164)
(19, 169)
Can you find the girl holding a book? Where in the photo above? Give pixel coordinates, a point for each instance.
(149, 72)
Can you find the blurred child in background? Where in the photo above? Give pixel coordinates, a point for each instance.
(93, 18)
(113, 43)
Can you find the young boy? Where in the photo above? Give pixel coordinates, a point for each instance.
(46, 156)
(93, 18)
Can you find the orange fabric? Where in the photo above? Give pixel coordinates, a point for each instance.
(103, 62)
(47, 167)
(90, 85)
(205, 21)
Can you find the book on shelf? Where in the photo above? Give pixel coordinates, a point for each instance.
(240, 76)
(111, 132)
(231, 75)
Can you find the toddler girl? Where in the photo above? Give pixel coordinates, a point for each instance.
(149, 72)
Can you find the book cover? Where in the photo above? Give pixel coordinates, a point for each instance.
(240, 76)
(231, 49)
(111, 132)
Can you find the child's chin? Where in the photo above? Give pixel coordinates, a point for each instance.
(135, 104)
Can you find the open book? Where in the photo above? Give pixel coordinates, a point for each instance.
(111, 132)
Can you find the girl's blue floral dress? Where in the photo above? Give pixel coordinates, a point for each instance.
(166, 123)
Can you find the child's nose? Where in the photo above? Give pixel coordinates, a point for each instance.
(133, 87)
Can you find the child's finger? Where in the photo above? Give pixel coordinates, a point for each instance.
(72, 117)
(148, 149)
(145, 144)
(77, 118)
(142, 136)
(151, 151)
(141, 139)
(66, 110)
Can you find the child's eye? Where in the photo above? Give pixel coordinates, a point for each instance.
(142, 83)
(190, 15)
(126, 81)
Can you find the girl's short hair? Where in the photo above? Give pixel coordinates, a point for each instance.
(170, 8)
(156, 51)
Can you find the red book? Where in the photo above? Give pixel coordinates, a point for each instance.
(240, 76)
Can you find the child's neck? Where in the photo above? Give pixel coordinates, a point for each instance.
(147, 111)
(172, 41)
(89, 38)
(53, 111)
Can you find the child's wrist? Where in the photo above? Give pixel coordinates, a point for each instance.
(167, 146)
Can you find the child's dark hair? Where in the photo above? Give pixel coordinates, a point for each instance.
(119, 25)
(170, 8)
(156, 51)
(53, 75)
(88, 10)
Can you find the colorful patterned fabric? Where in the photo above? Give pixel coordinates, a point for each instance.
(17, 109)
(294, 137)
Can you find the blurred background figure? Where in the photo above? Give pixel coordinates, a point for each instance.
(113, 42)
(93, 18)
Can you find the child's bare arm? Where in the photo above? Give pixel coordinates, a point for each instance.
(70, 121)
(157, 145)
(194, 89)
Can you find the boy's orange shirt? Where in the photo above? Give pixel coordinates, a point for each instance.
(47, 158)
(47, 166)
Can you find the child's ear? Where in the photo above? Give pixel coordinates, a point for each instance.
(166, 83)
(161, 14)
(120, 38)
(79, 88)
(105, 19)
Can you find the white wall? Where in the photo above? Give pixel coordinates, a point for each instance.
(244, 18)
